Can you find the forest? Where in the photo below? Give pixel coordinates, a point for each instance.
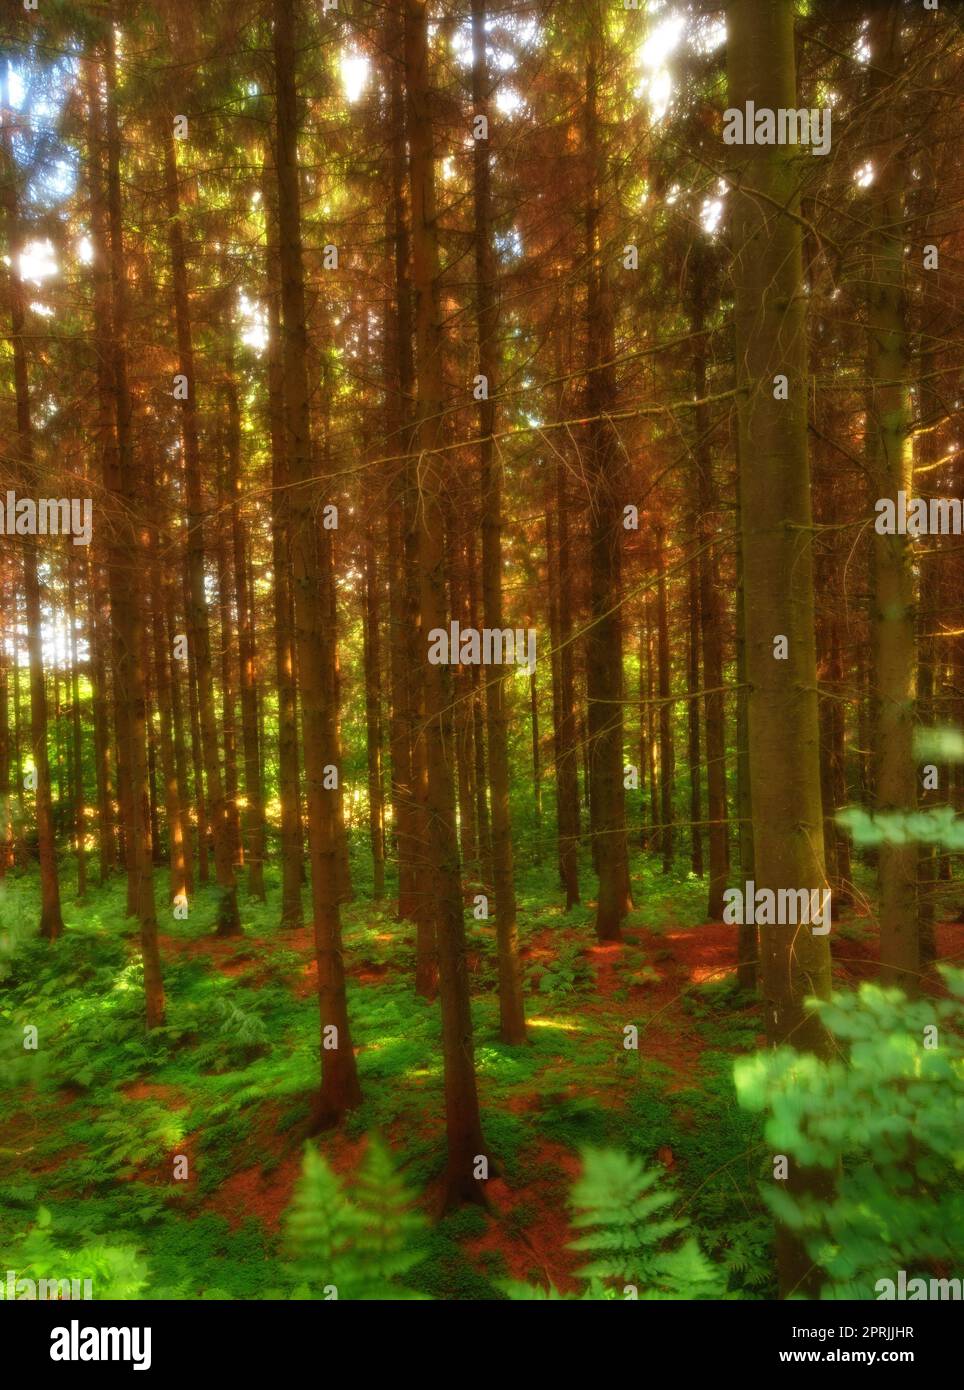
(481, 650)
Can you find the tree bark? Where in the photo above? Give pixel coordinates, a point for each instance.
(216, 806)
(776, 536)
(463, 1122)
(131, 560)
(605, 467)
(890, 468)
(512, 1027)
(289, 773)
(51, 920)
(254, 821)
(340, 1090)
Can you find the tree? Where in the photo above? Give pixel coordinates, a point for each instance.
(340, 1090)
(769, 316)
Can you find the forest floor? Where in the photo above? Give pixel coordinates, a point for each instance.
(94, 1118)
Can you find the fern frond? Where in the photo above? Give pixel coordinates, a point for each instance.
(319, 1226)
(387, 1226)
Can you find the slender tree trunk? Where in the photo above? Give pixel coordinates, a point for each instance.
(604, 648)
(106, 841)
(254, 823)
(51, 920)
(483, 821)
(404, 635)
(693, 718)
(17, 719)
(340, 1090)
(465, 763)
(748, 946)
(226, 646)
(710, 603)
(178, 728)
(6, 811)
(373, 712)
(536, 760)
(199, 634)
(80, 807)
(466, 1146)
(512, 1027)
(667, 754)
(174, 807)
(928, 679)
(289, 775)
(130, 681)
(653, 770)
(890, 467)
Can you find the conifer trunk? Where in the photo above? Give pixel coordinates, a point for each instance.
(463, 1122)
(776, 539)
(216, 806)
(340, 1090)
(512, 1028)
(51, 920)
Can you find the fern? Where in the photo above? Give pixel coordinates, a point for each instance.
(388, 1227)
(621, 1204)
(319, 1225)
(115, 1271)
(358, 1248)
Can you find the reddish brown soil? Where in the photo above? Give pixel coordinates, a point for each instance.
(534, 1247)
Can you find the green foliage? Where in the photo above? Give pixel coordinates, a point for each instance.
(115, 1271)
(235, 1034)
(384, 1242)
(358, 1246)
(938, 825)
(886, 1115)
(621, 1205)
(568, 973)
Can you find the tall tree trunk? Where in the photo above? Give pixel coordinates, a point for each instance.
(536, 760)
(465, 761)
(6, 808)
(928, 678)
(226, 647)
(51, 920)
(748, 945)
(890, 468)
(483, 821)
(512, 1028)
(174, 807)
(667, 754)
(340, 1090)
(289, 775)
(199, 634)
(693, 716)
(711, 608)
(463, 1122)
(178, 731)
(80, 806)
(254, 823)
(653, 771)
(606, 469)
(106, 841)
(373, 712)
(130, 682)
(404, 636)
(776, 533)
